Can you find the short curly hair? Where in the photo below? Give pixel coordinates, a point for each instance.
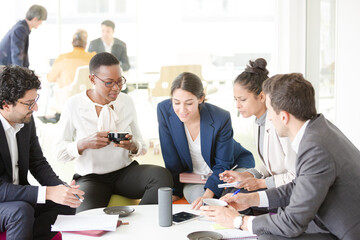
(14, 82)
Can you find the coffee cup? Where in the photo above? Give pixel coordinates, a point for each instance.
(214, 202)
(116, 137)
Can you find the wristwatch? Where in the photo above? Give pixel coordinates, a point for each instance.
(238, 222)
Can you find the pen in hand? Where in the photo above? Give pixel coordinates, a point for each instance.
(233, 168)
(236, 192)
(77, 196)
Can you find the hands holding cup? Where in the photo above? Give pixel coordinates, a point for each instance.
(123, 140)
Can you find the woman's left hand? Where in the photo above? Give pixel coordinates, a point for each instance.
(197, 203)
(128, 144)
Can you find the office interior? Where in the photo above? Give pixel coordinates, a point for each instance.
(318, 38)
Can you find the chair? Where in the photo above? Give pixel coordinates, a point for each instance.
(167, 76)
(80, 84)
(117, 200)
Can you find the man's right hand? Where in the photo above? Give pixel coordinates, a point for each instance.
(242, 201)
(64, 195)
(94, 141)
(233, 176)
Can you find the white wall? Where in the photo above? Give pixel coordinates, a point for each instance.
(347, 67)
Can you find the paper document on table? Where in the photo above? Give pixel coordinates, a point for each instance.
(236, 234)
(224, 185)
(83, 223)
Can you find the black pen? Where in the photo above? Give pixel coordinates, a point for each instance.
(77, 196)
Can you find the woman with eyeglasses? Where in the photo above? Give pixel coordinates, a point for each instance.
(197, 137)
(104, 168)
(276, 154)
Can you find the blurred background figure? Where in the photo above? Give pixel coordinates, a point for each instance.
(107, 43)
(14, 46)
(63, 72)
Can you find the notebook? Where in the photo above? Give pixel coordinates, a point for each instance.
(93, 233)
(193, 178)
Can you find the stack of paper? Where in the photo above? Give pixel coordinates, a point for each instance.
(84, 223)
(231, 233)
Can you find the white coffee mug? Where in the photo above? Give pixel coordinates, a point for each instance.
(214, 202)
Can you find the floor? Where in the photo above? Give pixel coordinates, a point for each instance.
(146, 111)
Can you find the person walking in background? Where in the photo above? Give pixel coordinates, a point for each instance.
(107, 43)
(197, 137)
(14, 46)
(27, 212)
(104, 168)
(63, 72)
(276, 154)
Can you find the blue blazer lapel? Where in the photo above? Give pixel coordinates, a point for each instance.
(206, 134)
(4, 152)
(180, 140)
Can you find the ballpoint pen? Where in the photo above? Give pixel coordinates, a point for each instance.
(236, 192)
(233, 168)
(77, 196)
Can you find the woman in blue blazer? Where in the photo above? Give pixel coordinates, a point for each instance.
(197, 137)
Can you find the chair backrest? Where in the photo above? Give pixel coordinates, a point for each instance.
(167, 76)
(80, 84)
(81, 81)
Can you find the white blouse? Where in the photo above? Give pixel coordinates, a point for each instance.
(198, 162)
(79, 120)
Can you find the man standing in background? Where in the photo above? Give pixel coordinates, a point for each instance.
(107, 43)
(14, 46)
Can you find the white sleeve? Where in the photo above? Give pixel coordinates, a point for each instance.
(142, 148)
(41, 197)
(249, 224)
(65, 148)
(264, 200)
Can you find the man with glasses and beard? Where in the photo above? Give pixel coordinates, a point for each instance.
(27, 212)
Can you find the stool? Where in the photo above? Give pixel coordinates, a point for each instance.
(117, 200)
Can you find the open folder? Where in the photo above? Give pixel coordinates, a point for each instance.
(70, 223)
(93, 233)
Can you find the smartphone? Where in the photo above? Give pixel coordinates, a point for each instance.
(182, 217)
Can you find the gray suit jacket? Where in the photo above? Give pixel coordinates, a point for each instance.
(326, 187)
(118, 50)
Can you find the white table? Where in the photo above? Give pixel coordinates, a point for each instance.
(144, 224)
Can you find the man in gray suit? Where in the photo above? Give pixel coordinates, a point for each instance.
(323, 200)
(107, 43)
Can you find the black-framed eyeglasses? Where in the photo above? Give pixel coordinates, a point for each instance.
(111, 84)
(31, 105)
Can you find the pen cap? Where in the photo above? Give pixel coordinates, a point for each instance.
(165, 206)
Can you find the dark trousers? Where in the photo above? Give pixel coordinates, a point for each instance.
(134, 181)
(22, 220)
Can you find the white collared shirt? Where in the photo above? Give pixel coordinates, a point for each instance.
(264, 201)
(10, 133)
(108, 47)
(79, 120)
(198, 162)
(296, 142)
